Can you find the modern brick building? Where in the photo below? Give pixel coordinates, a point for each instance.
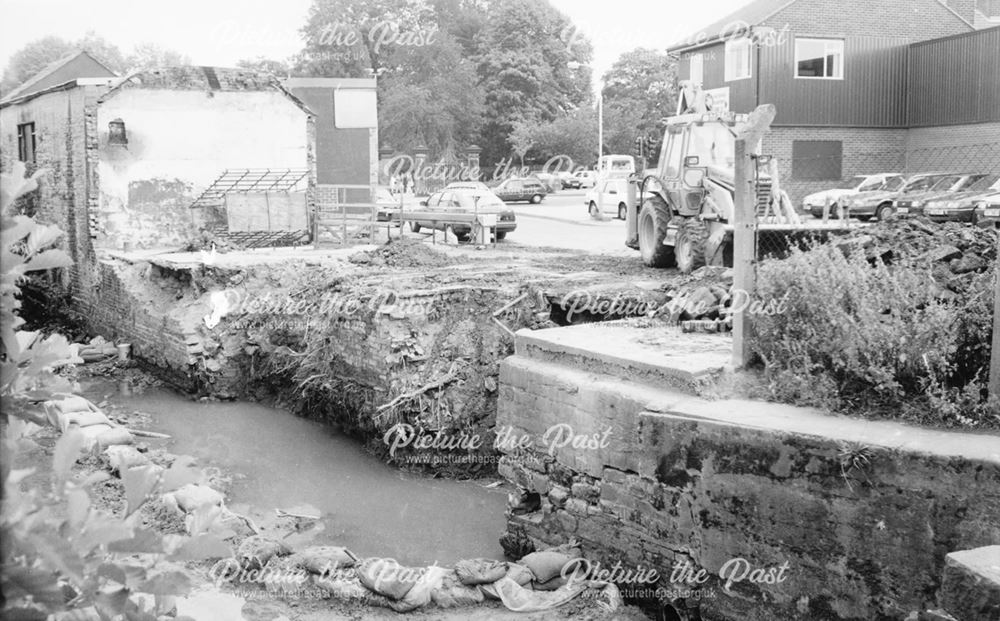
(859, 86)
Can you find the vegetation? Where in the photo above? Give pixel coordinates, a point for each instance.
(862, 337)
(61, 554)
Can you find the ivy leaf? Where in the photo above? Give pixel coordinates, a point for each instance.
(42, 586)
(67, 450)
(47, 260)
(143, 541)
(112, 572)
(77, 507)
(139, 483)
(103, 530)
(58, 554)
(167, 583)
(202, 547)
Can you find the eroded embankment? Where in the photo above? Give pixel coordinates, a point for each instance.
(398, 339)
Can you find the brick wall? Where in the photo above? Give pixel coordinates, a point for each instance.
(917, 19)
(865, 151)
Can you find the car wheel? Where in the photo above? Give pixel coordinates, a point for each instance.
(501, 235)
(622, 211)
(593, 210)
(885, 210)
(653, 220)
(414, 226)
(537, 198)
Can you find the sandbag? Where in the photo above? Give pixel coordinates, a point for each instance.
(420, 595)
(347, 586)
(387, 577)
(451, 593)
(82, 419)
(122, 457)
(547, 564)
(519, 574)
(324, 559)
(551, 584)
(73, 403)
(480, 571)
(114, 436)
(192, 496)
(520, 599)
(255, 551)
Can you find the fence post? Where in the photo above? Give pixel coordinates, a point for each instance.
(744, 248)
(994, 385)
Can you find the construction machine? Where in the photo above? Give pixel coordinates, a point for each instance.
(682, 215)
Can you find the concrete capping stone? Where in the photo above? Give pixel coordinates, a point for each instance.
(970, 586)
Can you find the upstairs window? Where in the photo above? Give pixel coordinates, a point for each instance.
(26, 142)
(821, 59)
(738, 59)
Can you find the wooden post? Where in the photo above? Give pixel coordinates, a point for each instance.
(744, 249)
(994, 384)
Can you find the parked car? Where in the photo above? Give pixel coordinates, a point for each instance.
(466, 201)
(551, 182)
(879, 203)
(913, 202)
(960, 206)
(388, 203)
(988, 211)
(569, 182)
(608, 197)
(477, 186)
(530, 190)
(588, 178)
(815, 203)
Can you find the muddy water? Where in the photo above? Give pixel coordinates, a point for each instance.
(280, 461)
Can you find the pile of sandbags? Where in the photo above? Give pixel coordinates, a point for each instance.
(97, 349)
(540, 581)
(72, 411)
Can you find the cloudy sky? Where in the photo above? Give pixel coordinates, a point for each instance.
(220, 32)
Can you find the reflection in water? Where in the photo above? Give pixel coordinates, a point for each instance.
(280, 460)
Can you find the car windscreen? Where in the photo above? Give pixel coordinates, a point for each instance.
(981, 183)
(920, 184)
(946, 183)
(892, 184)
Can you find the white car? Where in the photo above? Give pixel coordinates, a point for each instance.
(588, 178)
(608, 197)
(814, 203)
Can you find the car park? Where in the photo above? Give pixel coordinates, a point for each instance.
(961, 206)
(513, 190)
(879, 203)
(912, 203)
(816, 203)
(608, 197)
(464, 201)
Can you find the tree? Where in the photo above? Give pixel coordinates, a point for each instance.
(639, 90)
(150, 55)
(31, 59)
(573, 135)
(523, 65)
(260, 64)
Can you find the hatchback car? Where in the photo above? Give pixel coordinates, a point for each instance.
(467, 202)
(511, 190)
(609, 198)
(913, 203)
(960, 206)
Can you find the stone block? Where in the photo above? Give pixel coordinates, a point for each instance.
(970, 585)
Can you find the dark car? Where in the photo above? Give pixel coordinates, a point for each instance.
(466, 201)
(960, 206)
(913, 202)
(569, 182)
(512, 190)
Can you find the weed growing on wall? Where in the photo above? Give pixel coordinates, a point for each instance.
(864, 337)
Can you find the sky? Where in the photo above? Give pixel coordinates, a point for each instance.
(220, 32)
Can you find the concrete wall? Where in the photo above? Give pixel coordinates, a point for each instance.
(179, 142)
(863, 513)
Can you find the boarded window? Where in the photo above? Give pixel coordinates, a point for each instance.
(26, 142)
(817, 160)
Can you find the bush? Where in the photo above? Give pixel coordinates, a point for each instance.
(863, 337)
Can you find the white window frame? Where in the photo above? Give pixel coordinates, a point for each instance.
(836, 46)
(736, 70)
(700, 78)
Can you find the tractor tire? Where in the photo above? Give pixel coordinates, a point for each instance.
(653, 219)
(692, 239)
